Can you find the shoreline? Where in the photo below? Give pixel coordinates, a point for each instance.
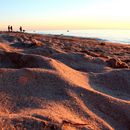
(116, 36)
(72, 36)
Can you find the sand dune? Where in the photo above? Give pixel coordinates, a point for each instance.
(63, 83)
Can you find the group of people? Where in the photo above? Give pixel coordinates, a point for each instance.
(10, 29)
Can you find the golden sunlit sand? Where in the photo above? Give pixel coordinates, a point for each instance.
(55, 82)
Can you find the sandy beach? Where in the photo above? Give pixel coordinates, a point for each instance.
(57, 82)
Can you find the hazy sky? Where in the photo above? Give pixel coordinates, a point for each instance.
(65, 14)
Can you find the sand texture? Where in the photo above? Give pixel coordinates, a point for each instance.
(55, 82)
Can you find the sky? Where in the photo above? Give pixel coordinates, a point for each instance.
(65, 14)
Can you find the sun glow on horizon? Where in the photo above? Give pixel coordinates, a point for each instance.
(65, 14)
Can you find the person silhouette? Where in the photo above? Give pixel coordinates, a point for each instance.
(9, 28)
(20, 29)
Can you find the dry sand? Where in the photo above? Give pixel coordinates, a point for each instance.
(50, 82)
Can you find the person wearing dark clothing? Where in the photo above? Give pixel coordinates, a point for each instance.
(11, 28)
(20, 29)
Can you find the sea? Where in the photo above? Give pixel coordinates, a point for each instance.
(115, 36)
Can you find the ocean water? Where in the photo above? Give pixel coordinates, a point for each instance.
(115, 36)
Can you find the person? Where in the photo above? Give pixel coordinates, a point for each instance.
(9, 28)
(20, 29)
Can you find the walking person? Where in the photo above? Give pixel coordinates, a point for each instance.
(9, 28)
(20, 29)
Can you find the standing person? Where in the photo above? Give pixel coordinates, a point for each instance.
(11, 28)
(8, 28)
(20, 29)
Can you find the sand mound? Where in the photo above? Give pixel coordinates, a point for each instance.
(7, 48)
(20, 60)
(43, 51)
(82, 62)
(58, 86)
(117, 63)
(45, 91)
(31, 92)
(115, 83)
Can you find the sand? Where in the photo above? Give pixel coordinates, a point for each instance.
(56, 82)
